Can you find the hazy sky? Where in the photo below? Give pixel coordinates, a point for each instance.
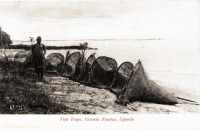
(168, 19)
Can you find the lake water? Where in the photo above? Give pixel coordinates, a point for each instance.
(175, 63)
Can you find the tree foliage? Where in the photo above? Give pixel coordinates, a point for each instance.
(5, 39)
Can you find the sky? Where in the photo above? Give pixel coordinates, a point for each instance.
(72, 20)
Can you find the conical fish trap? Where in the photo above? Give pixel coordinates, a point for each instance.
(71, 64)
(3, 59)
(103, 71)
(54, 62)
(88, 65)
(140, 88)
(121, 78)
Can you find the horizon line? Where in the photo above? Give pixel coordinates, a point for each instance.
(109, 39)
(92, 39)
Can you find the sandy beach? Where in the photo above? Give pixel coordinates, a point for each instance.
(101, 101)
(59, 95)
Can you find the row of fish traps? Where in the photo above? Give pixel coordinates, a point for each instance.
(129, 82)
(101, 70)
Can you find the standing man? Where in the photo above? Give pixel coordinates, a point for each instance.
(38, 52)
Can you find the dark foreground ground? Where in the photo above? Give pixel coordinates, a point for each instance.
(59, 95)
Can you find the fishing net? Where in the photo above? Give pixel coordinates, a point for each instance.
(71, 64)
(20, 61)
(103, 71)
(121, 78)
(140, 88)
(3, 60)
(22, 56)
(88, 65)
(54, 62)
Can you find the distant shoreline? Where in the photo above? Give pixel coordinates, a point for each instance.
(28, 47)
(139, 39)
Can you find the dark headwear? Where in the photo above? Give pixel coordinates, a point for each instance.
(39, 37)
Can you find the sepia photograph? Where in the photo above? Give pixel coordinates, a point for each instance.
(94, 58)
